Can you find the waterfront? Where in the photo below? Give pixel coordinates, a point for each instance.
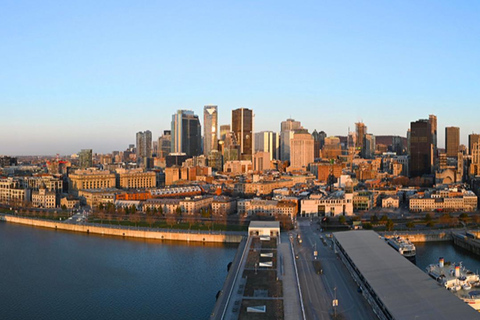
(61, 275)
(429, 252)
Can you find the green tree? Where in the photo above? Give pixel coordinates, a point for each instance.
(178, 211)
(64, 207)
(384, 218)
(389, 226)
(463, 216)
(410, 225)
(428, 217)
(342, 219)
(367, 226)
(374, 219)
(430, 224)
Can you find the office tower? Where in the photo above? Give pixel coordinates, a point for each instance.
(361, 130)
(224, 130)
(368, 146)
(433, 123)
(85, 158)
(144, 144)
(242, 127)
(302, 149)
(332, 148)
(164, 144)
(421, 148)
(472, 139)
(267, 141)
(452, 141)
(186, 133)
(475, 165)
(210, 129)
(286, 134)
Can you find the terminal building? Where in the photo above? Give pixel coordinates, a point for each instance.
(394, 287)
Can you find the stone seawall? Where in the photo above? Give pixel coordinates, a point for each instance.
(427, 236)
(224, 237)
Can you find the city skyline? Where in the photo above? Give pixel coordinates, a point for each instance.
(81, 76)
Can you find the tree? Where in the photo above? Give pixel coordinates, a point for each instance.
(135, 218)
(342, 220)
(64, 207)
(150, 219)
(430, 224)
(374, 219)
(384, 218)
(148, 211)
(101, 216)
(367, 226)
(410, 225)
(178, 210)
(170, 220)
(389, 226)
(100, 207)
(428, 217)
(463, 216)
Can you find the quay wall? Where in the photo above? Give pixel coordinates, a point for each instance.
(224, 237)
(427, 236)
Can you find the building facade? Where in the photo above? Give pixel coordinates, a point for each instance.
(242, 127)
(186, 133)
(210, 129)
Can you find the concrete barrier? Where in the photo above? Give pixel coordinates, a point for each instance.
(142, 233)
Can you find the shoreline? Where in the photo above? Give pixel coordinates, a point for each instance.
(138, 233)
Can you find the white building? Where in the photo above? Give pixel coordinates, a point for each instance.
(334, 204)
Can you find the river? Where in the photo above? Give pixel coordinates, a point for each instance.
(47, 274)
(429, 252)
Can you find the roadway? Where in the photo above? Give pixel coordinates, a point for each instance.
(319, 290)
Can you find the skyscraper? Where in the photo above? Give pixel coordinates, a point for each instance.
(85, 158)
(224, 130)
(267, 141)
(286, 134)
(302, 145)
(144, 144)
(164, 144)
(242, 127)
(452, 141)
(361, 130)
(186, 133)
(210, 129)
(368, 146)
(421, 148)
(472, 139)
(433, 123)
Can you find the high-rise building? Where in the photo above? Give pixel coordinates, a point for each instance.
(242, 127)
(144, 144)
(287, 129)
(368, 146)
(85, 158)
(452, 141)
(210, 129)
(186, 133)
(224, 130)
(472, 139)
(361, 130)
(421, 148)
(433, 123)
(301, 149)
(267, 141)
(164, 144)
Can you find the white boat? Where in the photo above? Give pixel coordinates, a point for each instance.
(457, 279)
(404, 247)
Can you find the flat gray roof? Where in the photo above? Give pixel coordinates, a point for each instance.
(406, 291)
(264, 224)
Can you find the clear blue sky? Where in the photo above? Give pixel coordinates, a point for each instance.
(91, 74)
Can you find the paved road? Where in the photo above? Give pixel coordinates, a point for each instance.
(319, 290)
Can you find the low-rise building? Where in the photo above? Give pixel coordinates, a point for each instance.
(135, 179)
(331, 205)
(267, 207)
(94, 197)
(91, 180)
(11, 192)
(224, 205)
(69, 202)
(188, 205)
(465, 201)
(362, 200)
(390, 202)
(44, 198)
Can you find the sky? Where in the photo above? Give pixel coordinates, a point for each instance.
(91, 74)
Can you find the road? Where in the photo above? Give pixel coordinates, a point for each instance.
(319, 290)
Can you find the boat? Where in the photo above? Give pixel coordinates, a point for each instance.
(458, 280)
(404, 247)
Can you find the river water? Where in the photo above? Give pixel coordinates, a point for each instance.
(47, 274)
(429, 252)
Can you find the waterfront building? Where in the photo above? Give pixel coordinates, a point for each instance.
(144, 145)
(90, 179)
(452, 141)
(95, 197)
(287, 128)
(242, 127)
(44, 198)
(328, 205)
(70, 202)
(135, 179)
(11, 191)
(50, 182)
(186, 133)
(302, 150)
(210, 129)
(85, 159)
(222, 205)
(421, 148)
(267, 207)
(189, 206)
(449, 200)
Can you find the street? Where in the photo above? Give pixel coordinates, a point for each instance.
(319, 290)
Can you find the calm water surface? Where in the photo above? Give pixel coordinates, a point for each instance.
(47, 274)
(429, 252)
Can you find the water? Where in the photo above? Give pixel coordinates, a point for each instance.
(47, 274)
(429, 252)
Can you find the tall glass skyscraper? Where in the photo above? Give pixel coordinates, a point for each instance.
(186, 133)
(210, 129)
